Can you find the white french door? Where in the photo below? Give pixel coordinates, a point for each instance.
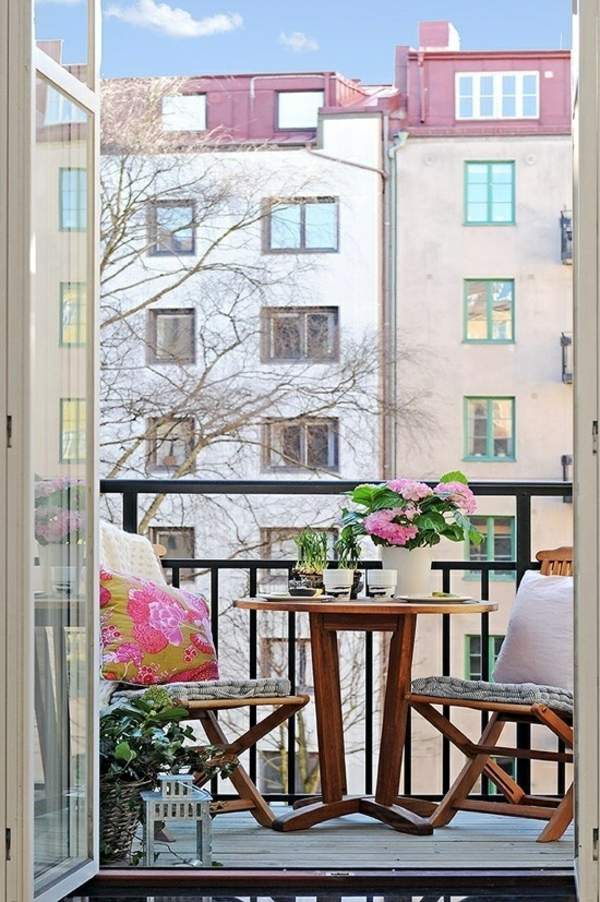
(49, 234)
(586, 84)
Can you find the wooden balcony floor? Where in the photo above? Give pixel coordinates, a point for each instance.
(470, 841)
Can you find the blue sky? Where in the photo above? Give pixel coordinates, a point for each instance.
(180, 37)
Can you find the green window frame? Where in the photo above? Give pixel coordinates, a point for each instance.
(494, 528)
(489, 311)
(473, 655)
(489, 192)
(73, 416)
(490, 428)
(72, 206)
(73, 314)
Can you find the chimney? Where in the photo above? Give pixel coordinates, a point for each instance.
(438, 36)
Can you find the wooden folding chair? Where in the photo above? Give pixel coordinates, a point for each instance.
(480, 755)
(249, 796)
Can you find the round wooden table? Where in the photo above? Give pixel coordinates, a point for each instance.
(326, 620)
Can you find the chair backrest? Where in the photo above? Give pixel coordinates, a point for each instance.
(557, 562)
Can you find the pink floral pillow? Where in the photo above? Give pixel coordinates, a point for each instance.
(154, 634)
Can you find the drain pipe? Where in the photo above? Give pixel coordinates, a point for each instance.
(390, 311)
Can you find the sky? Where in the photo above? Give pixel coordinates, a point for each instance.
(186, 37)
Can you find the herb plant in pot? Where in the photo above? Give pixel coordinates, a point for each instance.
(407, 519)
(345, 578)
(306, 577)
(139, 739)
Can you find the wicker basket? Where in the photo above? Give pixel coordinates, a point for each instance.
(120, 813)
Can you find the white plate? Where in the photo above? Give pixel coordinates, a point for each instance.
(436, 599)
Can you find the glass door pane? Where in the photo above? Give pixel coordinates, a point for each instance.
(60, 397)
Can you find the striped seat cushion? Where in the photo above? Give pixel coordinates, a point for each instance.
(507, 693)
(217, 690)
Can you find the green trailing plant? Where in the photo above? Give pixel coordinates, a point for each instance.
(312, 551)
(140, 739)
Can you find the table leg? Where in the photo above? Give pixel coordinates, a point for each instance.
(330, 732)
(385, 805)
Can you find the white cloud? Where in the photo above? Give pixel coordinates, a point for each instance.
(174, 21)
(298, 42)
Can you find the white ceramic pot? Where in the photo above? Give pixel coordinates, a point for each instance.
(382, 583)
(338, 582)
(415, 576)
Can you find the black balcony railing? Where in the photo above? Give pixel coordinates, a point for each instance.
(566, 236)
(523, 494)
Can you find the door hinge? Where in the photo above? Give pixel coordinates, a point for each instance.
(595, 437)
(7, 843)
(595, 843)
(9, 431)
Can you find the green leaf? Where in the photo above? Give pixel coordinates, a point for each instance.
(363, 494)
(455, 476)
(124, 752)
(475, 536)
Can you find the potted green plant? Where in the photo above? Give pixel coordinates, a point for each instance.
(346, 575)
(139, 739)
(306, 577)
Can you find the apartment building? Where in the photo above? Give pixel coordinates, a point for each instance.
(483, 289)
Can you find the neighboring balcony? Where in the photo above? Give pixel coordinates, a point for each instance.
(266, 642)
(566, 345)
(566, 236)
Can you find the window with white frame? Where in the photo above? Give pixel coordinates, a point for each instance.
(299, 109)
(497, 95)
(302, 225)
(291, 444)
(184, 113)
(62, 111)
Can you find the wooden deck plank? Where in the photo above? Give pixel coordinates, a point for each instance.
(471, 841)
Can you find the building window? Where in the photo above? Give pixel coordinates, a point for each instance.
(62, 111)
(180, 544)
(299, 109)
(490, 429)
(72, 430)
(72, 200)
(184, 113)
(490, 193)
(473, 662)
(73, 313)
(498, 544)
(497, 95)
(278, 541)
(171, 228)
(300, 333)
(171, 335)
(489, 310)
(170, 442)
(291, 444)
(302, 225)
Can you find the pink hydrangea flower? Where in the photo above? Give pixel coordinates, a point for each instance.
(410, 489)
(459, 493)
(381, 524)
(166, 616)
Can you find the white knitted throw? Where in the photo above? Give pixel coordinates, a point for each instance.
(129, 554)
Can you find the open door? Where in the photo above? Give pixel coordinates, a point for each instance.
(586, 82)
(49, 134)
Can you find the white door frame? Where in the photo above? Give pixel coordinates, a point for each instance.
(586, 208)
(21, 64)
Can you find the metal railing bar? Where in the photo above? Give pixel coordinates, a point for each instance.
(253, 663)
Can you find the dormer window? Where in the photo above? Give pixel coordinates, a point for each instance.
(184, 113)
(299, 110)
(497, 95)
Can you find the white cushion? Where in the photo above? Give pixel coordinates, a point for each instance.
(538, 647)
